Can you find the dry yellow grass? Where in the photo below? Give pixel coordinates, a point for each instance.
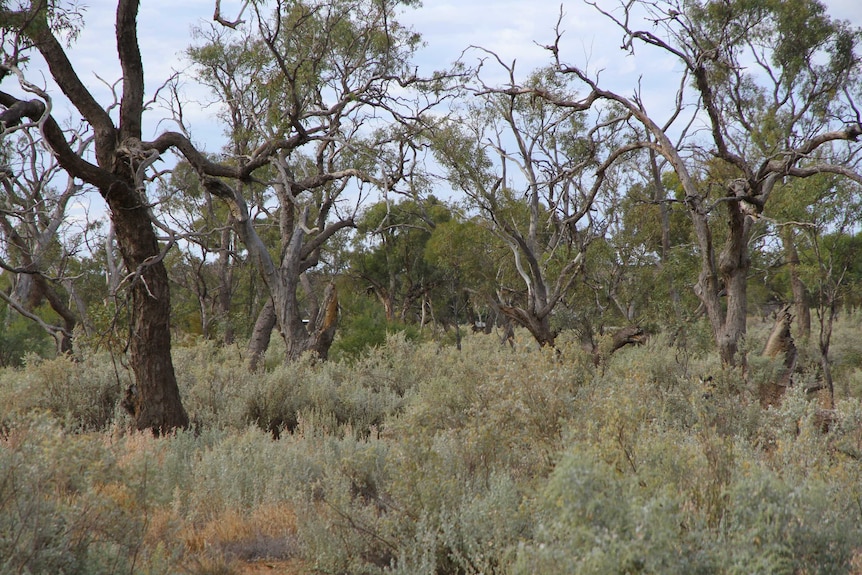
(264, 536)
(291, 567)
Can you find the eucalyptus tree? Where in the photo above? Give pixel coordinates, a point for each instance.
(118, 168)
(654, 237)
(765, 94)
(825, 244)
(320, 108)
(471, 261)
(533, 172)
(389, 254)
(36, 244)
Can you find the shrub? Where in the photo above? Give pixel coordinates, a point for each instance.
(777, 527)
(65, 507)
(213, 382)
(419, 458)
(83, 394)
(589, 519)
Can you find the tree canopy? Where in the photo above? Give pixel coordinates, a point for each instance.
(349, 184)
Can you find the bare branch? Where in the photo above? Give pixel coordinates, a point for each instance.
(233, 24)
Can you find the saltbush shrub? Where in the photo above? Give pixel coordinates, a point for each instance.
(65, 506)
(83, 394)
(419, 458)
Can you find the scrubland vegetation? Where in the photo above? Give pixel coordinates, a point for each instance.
(417, 458)
(243, 360)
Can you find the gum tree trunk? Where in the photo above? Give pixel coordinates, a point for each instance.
(154, 401)
(261, 335)
(121, 161)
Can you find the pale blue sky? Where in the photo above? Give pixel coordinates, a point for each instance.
(511, 28)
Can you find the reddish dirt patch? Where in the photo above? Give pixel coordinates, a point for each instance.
(292, 567)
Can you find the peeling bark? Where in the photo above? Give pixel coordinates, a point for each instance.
(780, 343)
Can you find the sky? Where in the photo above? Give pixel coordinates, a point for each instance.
(514, 29)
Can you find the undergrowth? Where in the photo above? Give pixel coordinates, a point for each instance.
(417, 458)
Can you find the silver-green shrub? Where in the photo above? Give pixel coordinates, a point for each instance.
(83, 394)
(422, 459)
(65, 506)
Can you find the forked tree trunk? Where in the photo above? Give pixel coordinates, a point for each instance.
(629, 335)
(539, 327)
(317, 334)
(283, 281)
(722, 286)
(31, 289)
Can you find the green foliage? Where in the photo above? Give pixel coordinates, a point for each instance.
(20, 336)
(389, 257)
(364, 326)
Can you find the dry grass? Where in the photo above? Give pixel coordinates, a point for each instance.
(291, 567)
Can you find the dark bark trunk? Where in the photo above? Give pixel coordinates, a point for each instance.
(118, 174)
(261, 335)
(154, 400)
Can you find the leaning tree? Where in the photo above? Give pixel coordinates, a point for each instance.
(765, 93)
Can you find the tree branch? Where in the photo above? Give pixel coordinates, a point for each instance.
(132, 104)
